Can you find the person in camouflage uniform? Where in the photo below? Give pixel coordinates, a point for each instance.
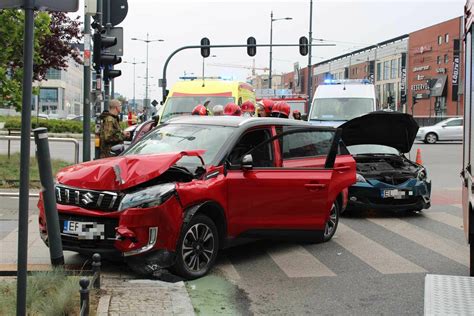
(110, 133)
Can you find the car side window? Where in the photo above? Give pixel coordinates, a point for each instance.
(262, 155)
(306, 144)
(455, 123)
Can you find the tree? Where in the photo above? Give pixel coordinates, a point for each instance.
(55, 37)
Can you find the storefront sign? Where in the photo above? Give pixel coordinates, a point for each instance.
(420, 87)
(441, 70)
(423, 49)
(456, 61)
(420, 77)
(403, 81)
(421, 68)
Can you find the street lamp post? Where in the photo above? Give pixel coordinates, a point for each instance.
(134, 63)
(271, 45)
(147, 41)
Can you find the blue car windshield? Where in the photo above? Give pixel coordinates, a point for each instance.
(372, 150)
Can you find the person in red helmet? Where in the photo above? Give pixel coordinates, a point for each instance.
(297, 115)
(232, 109)
(281, 109)
(199, 110)
(267, 105)
(248, 109)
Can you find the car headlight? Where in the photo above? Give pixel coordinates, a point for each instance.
(360, 178)
(148, 197)
(422, 174)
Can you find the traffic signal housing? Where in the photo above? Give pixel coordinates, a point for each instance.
(252, 48)
(390, 99)
(415, 101)
(110, 73)
(303, 45)
(205, 51)
(101, 57)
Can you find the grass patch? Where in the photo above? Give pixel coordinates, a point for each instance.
(10, 171)
(48, 293)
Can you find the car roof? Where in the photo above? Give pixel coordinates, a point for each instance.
(236, 121)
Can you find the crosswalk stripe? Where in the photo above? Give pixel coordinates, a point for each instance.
(372, 253)
(425, 238)
(445, 218)
(296, 262)
(226, 267)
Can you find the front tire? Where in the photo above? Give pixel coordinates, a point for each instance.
(197, 248)
(331, 224)
(431, 138)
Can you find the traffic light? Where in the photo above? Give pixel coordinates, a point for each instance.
(389, 99)
(303, 45)
(205, 51)
(101, 58)
(251, 49)
(110, 73)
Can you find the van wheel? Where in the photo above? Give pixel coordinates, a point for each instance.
(197, 248)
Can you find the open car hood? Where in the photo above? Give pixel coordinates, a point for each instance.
(120, 173)
(394, 129)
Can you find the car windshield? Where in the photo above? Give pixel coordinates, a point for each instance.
(341, 109)
(181, 137)
(372, 149)
(176, 106)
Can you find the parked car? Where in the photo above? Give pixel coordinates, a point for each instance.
(195, 184)
(450, 129)
(386, 178)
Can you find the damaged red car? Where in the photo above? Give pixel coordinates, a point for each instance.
(196, 184)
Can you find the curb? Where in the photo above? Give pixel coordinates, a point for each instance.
(103, 306)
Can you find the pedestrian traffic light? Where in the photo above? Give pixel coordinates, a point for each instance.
(101, 58)
(252, 48)
(303, 45)
(206, 50)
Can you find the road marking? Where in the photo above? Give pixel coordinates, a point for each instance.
(296, 262)
(445, 218)
(425, 238)
(226, 267)
(457, 205)
(372, 253)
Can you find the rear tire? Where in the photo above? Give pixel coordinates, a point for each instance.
(197, 248)
(431, 138)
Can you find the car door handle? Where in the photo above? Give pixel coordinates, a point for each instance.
(314, 186)
(342, 168)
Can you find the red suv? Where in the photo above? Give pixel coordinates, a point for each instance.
(192, 186)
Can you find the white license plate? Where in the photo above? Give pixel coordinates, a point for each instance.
(396, 194)
(84, 230)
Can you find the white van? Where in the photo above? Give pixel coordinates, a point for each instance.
(338, 101)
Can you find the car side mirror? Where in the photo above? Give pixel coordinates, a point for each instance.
(443, 126)
(247, 162)
(304, 117)
(117, 149)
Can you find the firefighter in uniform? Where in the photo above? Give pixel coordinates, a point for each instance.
(110, 133)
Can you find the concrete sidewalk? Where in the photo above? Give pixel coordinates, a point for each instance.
(123, 294)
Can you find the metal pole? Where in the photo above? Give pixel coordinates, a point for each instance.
(84, 296)
(134, 107)
(310, 70)
(49, 198)
(22, 265)
(146, 75)
(98, 107)
(271, 40)
(86, 123)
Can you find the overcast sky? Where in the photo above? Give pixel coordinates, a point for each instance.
(352, 23)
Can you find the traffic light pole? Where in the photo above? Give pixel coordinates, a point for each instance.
(98, 78)
(165, 67)
(86, 125)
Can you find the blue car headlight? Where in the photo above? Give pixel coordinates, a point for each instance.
(149, 197)
(360, 178)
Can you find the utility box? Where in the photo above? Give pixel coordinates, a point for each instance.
(90, 7)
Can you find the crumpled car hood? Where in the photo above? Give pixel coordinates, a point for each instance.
(394, 129)
(120, 173)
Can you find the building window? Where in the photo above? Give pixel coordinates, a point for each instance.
(393, 68)
(446, 58)
(440, 40)
(49, 95)
(379, 71)
(386, 70)
(446, 38)
(438, 60)
(53, 74)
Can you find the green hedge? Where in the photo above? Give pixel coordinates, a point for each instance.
(53, 126)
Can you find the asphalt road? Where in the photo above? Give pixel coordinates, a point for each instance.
(375, 264)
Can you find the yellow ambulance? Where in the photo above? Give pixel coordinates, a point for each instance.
(185, 95)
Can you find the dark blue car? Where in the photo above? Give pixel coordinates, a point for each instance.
(386, 178)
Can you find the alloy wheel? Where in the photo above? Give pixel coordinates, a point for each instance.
(332, 222)
(198, 247)
(431, 138)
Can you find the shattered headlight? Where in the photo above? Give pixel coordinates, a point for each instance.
(360, 178)
(422, 174)
(148, 197)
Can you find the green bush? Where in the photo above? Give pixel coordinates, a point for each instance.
(53, 126)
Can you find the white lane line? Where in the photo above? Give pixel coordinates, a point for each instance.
(226, 267)
(445, 218)
(425, 238)
(296, 262)
(372, 253)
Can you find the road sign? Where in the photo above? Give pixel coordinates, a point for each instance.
(154, 103)
(48, 5)
(118, 11)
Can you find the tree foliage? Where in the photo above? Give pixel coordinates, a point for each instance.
(54, 38)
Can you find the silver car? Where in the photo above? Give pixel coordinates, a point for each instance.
(450, 129)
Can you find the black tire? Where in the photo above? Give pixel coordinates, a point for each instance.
(191, 250)
(331, 224)
(431, 138)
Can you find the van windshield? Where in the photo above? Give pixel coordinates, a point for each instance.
(340, 109)
(176, 106)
